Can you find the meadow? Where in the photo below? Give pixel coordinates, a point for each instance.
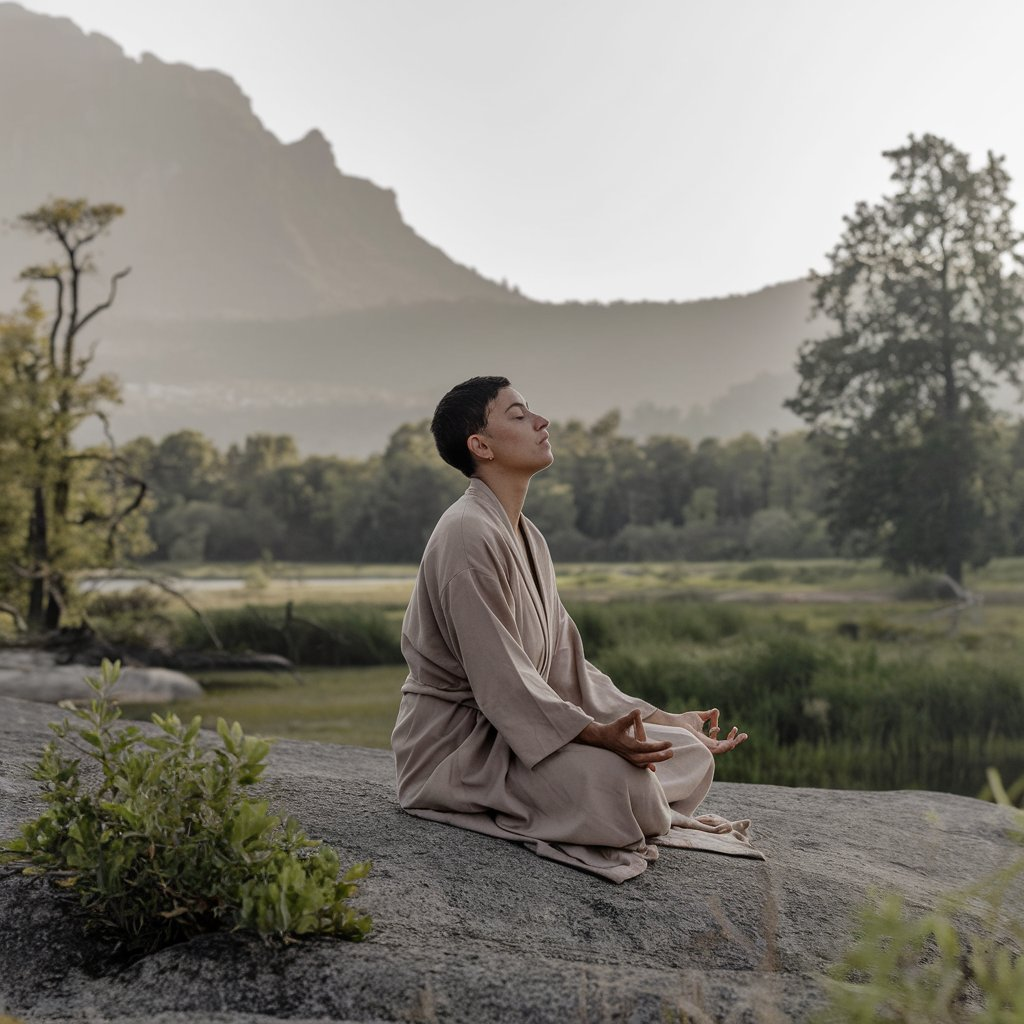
(843, 675)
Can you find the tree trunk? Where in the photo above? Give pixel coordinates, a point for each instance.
(955, 439)
(955, 442)
(38, 554)
(954, 542)
(55, 602)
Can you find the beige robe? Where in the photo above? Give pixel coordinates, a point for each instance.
(498, 688)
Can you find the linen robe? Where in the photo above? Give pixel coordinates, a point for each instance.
(499, 687)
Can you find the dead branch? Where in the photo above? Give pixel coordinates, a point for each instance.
(104, 305)
(120, 517)
(19, 623)
(174, 592)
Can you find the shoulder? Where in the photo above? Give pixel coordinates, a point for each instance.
(468, 536)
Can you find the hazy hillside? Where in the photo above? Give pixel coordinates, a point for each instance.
(222, 218)
(270, 291)
(340, 383)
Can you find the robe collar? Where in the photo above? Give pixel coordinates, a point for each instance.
(479, 490)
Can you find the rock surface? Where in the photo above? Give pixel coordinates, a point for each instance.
(35, 675)
(472, 929)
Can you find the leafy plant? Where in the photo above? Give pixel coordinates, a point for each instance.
(959, 963)
(994, 790)
(166, 846)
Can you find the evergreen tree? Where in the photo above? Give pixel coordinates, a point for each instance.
(924, 294)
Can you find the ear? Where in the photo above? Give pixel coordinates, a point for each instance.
(479, 448)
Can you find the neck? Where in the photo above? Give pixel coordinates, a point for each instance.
(509, 489)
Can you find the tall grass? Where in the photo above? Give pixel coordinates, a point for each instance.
(307, 634)
(903, 706)
(913, 712)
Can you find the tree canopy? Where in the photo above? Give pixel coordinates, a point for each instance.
(924, 294)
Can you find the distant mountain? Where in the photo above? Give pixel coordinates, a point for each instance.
(753, 406)
(223, 220)
(271, 292)
(340, 383)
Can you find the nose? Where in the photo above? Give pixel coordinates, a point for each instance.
(540, 423)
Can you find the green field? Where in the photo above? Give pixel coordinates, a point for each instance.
(341, 705)
(844, 675)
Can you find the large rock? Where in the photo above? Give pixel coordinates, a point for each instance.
(473, 929)
(35, 675)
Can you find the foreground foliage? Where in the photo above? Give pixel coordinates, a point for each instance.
(959, 963)
(167, 846)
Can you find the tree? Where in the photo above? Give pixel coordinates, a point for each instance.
(186, 463)
(924, 295)
(75, 502)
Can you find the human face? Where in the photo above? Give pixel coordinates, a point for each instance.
(514, 438)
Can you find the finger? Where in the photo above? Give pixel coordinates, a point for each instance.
(644, 759)
(712, 719)
(648, 746)
(731, 743)
(638, 726)
(627, 723)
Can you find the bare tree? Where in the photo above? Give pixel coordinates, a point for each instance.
(77, 500)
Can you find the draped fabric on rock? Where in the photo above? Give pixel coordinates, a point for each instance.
(498, 689)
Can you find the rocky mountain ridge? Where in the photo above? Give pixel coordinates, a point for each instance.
(272, 292)
(223, 220)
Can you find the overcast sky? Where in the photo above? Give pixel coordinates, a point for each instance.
(604, 149)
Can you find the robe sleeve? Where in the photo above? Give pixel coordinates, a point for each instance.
(513, 696)
(573, 675)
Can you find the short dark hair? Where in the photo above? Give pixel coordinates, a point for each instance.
(462, 412)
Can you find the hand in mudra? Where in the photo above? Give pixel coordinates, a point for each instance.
(626, 737)
(695, 721)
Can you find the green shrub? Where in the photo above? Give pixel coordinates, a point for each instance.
(760, 572)
(1009, 796)
(864, 715)
(140, 601)
(168, 846)
(948, 966)
(829, 572)
(306, 634)
(139, 617)
(925, 588)
(636, 624)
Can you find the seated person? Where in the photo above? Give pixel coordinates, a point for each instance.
(504, 726)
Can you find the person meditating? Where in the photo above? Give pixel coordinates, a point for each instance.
(504, 727)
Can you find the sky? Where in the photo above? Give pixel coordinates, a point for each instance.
(604, 150)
